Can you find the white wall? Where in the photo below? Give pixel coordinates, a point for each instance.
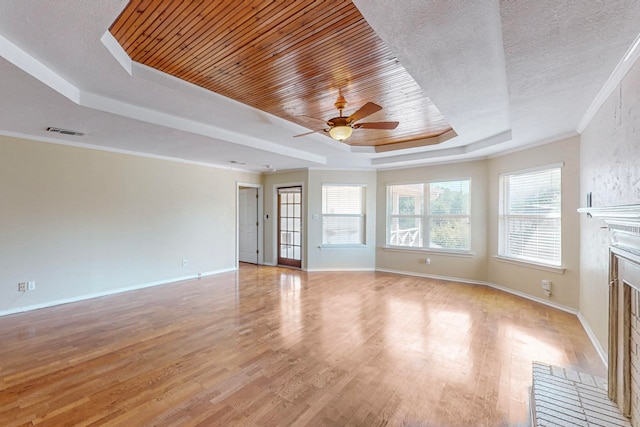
(610, 169)
(525, 279)
(472, 267)
(327, 258)
(84, 222)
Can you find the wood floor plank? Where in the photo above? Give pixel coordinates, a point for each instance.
(272, 346)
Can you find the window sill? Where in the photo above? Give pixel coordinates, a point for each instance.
(342, 247)
(546, 267)
(464, 254)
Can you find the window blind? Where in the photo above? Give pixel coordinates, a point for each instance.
(343, 214)
(530, 216)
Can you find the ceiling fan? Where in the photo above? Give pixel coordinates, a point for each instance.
(340, 128)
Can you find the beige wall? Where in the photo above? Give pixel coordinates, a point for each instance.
(525, 279)
(315, 258)
(327, 258)
(482, 266)
(610, 170)
(83, 222)
(464, 267)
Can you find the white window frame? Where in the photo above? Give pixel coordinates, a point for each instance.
(425, 219)
(503, 220)
(362, 216)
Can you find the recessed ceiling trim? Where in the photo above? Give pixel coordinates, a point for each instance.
(454, 151)
(148, 115)
(117, 51)
(35, 68)
(417, 143)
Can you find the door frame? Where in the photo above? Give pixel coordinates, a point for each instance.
(259, 219)
(303, 222)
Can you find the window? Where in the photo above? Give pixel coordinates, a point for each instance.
(530, 216)
(343, 214)
(434, 215)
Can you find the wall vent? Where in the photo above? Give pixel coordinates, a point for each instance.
(64, 131)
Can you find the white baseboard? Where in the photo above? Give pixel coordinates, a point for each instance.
(111, 292)
(432, 276)
(603, 354)
(311, 270)
(489, 284)
(536, 299)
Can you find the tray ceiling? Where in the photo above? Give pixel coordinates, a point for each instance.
(290, 59)
(505, 75)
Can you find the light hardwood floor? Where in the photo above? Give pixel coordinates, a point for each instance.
(273, 346)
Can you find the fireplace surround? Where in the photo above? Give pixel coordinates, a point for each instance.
(624, 306)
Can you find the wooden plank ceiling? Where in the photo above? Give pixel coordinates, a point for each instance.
(287, 58)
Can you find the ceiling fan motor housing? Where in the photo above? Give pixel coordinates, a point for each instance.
(339, 121)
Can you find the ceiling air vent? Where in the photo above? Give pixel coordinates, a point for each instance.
(64, 131)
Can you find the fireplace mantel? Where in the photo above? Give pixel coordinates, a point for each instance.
(628, 215)
(623, 221)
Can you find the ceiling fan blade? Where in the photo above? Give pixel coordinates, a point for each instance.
(364, 111)
(377, 125)
(308, 133)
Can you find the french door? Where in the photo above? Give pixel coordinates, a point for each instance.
(290, 226)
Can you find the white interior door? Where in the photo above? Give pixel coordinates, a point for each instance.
(248, 225)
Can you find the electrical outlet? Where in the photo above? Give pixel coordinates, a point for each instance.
(185, 262)
(428, 261)
(22, 287)
(31, 286)
(546, 285)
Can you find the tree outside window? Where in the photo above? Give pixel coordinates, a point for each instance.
(444, 224)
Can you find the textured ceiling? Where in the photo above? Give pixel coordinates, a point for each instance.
(505, 75)
(290, 59)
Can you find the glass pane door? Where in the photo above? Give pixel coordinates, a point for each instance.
(290, 226)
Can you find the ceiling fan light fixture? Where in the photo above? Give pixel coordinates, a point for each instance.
(340, 133)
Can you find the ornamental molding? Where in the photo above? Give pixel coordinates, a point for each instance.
(624, 223)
